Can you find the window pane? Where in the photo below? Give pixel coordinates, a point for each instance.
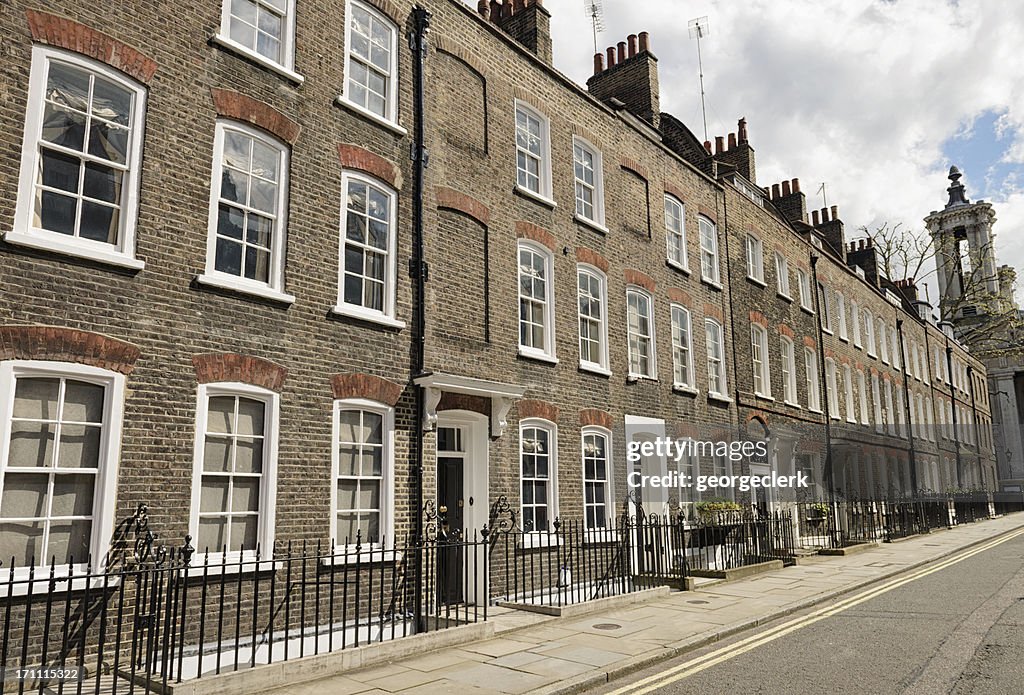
(69, 541)
(250, 416)
(60, 170)
(56, 213)
(243, 532)
(36, 398)
(347, 490)
(245, 495)
(79, 446)
(83, 402)
(220, 414)
(214, 495)
(110, 101)
(31, 444)
(217, 454)
(22, 541)
(99, 222)
(212, 534)
(72, 495)
(249, 456)
(63, 127)
(24, 496)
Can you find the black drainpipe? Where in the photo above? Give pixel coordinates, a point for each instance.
(418, 271)
(823, 396)
(906, 401)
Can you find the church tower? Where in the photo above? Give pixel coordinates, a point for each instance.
(964, 256)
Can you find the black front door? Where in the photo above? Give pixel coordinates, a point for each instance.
(449, 513)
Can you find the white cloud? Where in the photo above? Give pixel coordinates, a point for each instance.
(861, 94)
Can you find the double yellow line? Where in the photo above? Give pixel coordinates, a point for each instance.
(723, 654)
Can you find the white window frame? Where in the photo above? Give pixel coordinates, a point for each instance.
(855, 316)
(274, 287)
(709, 261)
(105, 490)
(682, 262)
(760, 361)
(678, 311)
(755, 259)
(851, 415)
(812, 380)
(862, 392)
(883, 341)
(543, 193)
(597, 220)
(804, 286)
(876, 402)
(832, 388)
(890, 419)
(24, 232)
(386, 316)
(716, 362)
(901, 414)
(869, 332)
(538, 536)
(600, 367)
(609, 481)
(547, 352)
(652, 360)
(268, 481)
(286, 67)
(841, 310)
(390, 118)
(782, 276)
(826, 312)
(896, 348)
(387, 491)
(787, 351)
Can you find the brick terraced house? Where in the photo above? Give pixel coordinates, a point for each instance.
(209, 304)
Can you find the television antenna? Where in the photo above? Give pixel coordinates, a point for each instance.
(699, 30)
(595, 10)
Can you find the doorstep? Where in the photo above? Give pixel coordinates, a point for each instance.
(586, 607)
(739, 572)
(850, 549)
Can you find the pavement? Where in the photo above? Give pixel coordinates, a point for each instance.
(549, 655)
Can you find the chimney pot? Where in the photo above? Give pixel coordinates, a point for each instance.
(496, 10)
(611, 57)
(814, 218)
(518, 5)
(742, 128)
(786, 189)
(645, 41)
(632, 44)
(796, 185)
(768, 191)
(598, 63)
(707, 146)
(732, 141)
(824, 215)
(484, 8)
(860, 246)
(835, 212)
(870, 243)
(506, 9)
(775, 191)
(622, 51)
(719, 144)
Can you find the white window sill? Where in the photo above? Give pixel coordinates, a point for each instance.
(764, 397)
(594, 369)
(793, 404)
(827, 331)
(816, 411)
(719, 398)
(676, 265)
(538, 355)
(600, 536)
(357, 312)
(837, 418)
(364, 557)
(40, 582)
(786, 297)
(234, 284)
(806, 310)
(852, 422)
(875, 357)
(537, 197)
(235, 47)
(65, 245)
(593, 224)
(371, 116)
(711, 283)
(631, 377)
(217, 565)
(858, 346)
(541, 539)
(757, 281)
(685, 389)
(844, 338)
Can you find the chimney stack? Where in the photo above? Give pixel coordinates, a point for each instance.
(789, 200)
(526, 21)
(631, 76)
(719, 144)
(740, 154)
(862, 253)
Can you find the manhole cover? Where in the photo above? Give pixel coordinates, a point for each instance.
(607, 626)
(698, 602)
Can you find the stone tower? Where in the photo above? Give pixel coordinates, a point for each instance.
(964, 256)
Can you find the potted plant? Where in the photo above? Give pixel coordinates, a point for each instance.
(817, 512)
(719, 511)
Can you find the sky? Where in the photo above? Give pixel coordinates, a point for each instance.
(876, 98)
